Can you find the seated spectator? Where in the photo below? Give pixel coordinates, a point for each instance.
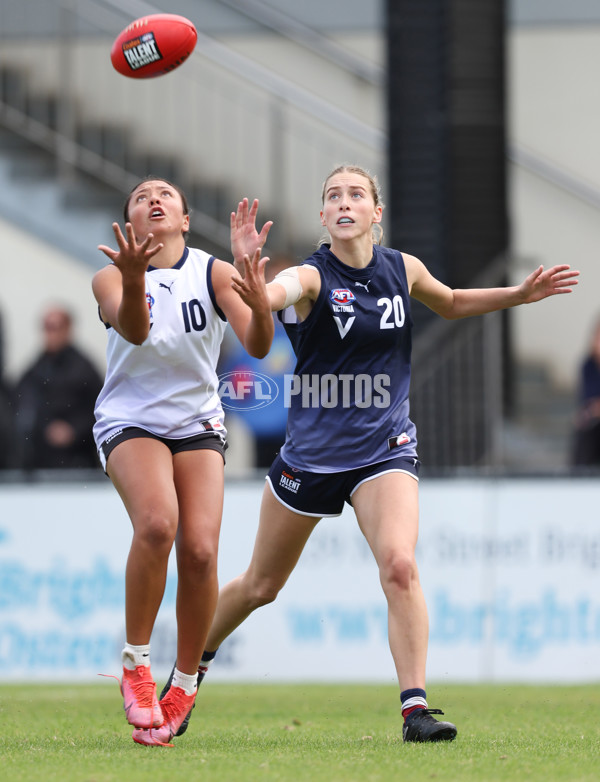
(55, 401)
(586, 450)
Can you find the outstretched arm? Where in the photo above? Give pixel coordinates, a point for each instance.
(463, 303)
(120, 289)
(245, 302)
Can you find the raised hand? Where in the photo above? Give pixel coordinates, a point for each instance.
(251, 286)
(540, 284)
(132, 257)
(245, 239)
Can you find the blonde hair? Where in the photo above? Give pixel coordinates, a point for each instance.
(377, 230)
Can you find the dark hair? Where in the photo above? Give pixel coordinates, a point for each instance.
(152, 178)
(63, 313)
(373, 187)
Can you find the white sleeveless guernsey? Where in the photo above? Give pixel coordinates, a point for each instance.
(168, 385)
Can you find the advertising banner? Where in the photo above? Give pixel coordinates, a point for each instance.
(510, 571)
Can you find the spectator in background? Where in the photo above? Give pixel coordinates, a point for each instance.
(266, 421)
(55, 401)
(7, 414)
(586, 451)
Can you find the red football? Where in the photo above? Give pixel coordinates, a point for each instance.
(153, 45)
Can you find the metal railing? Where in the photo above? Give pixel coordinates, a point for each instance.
(554, 174)
(312, 39)
(457, 387)
(245, 130)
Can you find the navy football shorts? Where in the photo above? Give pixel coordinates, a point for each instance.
(324, 494)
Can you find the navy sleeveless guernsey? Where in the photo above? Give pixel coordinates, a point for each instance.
(348, 397)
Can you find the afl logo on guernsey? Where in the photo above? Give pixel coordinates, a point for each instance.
(149, 301)
(342, 296)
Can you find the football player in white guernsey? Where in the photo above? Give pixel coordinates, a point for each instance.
(159, 422)
(351, 300)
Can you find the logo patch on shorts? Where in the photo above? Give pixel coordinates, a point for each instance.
(398, 440)
(287, 481)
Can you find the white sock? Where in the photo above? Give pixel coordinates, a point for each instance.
(204, 666)
(188, 682)
(132, 656)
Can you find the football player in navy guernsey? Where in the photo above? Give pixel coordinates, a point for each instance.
(159, 422)
(349, 437)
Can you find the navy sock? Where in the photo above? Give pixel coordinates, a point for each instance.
(205, 662)
(412, 700)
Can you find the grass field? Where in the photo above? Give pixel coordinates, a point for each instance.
(303, 733)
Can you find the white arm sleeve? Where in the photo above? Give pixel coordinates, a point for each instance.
(290, 281)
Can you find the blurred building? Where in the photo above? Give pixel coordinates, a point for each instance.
(276, 94)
